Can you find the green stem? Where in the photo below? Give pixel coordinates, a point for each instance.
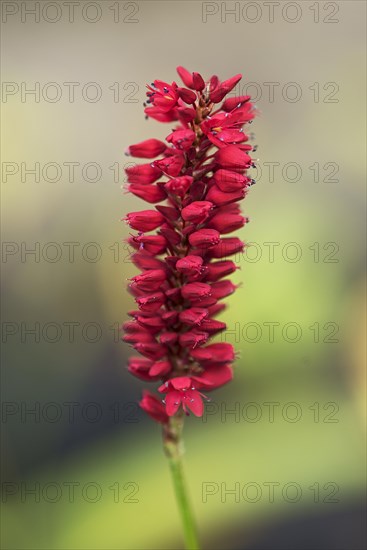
(173, 447)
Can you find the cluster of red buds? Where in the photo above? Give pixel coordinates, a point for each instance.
(183, 263)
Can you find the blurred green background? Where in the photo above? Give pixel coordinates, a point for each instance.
(92, 459)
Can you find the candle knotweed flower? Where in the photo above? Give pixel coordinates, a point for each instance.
(195, 185)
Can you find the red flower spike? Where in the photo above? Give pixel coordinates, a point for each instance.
(202, 171)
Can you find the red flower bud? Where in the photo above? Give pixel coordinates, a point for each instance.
(145, 220)
(226, 223)
(148, 149)
(214, 377)
(187, 95)
(169, 317)
(186, 114)
(153, 244)
(190, 266)
(140, 367)
(193, 316)
(160, 368)
(198, 82)
(143, 173)
(170, 165)
(157, 114)
(232, 158)
(213, 326)
(151, 302)
(144, 261)
(217, 353)
(221, 289)
(228, 181)
(227, 247)
(153, 324)
(197, 211)
(135, 337)
(204, 238)
(219, 198)
(195, 291)
(235, 102)
(154, 407)
(182, 139)
(193, 338)
(186, 77)
(168, 338)
(179, 186)
(149, 193)
(224, 88)
(149, 370)
(150, 280)
(152, 350)
(216, 270)
(216, 309)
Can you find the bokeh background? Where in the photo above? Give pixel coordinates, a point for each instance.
(85, 469)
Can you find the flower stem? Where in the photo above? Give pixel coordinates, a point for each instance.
(173, 447)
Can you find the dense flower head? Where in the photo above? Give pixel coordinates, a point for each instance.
(195, 184)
